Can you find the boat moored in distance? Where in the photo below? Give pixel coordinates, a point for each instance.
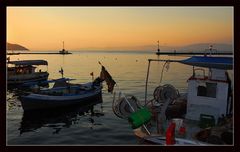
(206, 52)
(200, 116)
(24, 71)
(158, 51)
(63, 51)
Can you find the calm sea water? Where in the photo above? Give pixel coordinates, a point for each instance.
(97, 124)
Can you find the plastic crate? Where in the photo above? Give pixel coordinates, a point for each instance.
(206, 121)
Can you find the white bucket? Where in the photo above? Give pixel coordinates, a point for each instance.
(178, 122)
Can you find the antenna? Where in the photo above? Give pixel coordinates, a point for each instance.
(61, 71)
(210, 50)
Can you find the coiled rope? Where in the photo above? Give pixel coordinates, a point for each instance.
(167, 91)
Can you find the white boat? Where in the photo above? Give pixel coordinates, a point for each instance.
(201, 116)
(61, 94)
(24, 71)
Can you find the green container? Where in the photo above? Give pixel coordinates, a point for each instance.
(206, 121)
(140, 117)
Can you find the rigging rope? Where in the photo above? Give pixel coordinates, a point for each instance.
(165, 65)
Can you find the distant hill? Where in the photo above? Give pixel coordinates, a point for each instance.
(200, 47)
(16, 47)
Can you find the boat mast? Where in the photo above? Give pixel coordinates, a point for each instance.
(63, 45)
(158, 47)
(210, 49)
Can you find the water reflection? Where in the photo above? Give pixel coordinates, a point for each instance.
(12, 99)
(58, 119)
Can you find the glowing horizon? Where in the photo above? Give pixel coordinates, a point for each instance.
(117, 28)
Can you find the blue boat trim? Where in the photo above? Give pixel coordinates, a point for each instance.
(210, 62)
(205, 61)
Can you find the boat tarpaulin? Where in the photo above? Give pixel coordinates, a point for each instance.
(29, 62)
(210, 62)
(225, 63)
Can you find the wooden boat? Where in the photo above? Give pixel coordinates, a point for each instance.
(62, 94)
(23, 71)
(200, 116)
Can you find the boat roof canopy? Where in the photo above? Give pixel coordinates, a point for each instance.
(210, 62)
(225, 63)
(29, 62)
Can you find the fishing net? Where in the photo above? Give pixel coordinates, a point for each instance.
(121, 107)
(167, 91)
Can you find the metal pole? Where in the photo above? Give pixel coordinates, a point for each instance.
(149, 61)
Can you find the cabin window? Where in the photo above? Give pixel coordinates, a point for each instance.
(207, 90)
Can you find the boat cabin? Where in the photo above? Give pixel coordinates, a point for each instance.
(24, 66)
(208, 95)
(21, 70)
(25, 71)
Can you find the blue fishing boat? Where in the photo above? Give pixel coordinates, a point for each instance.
(62, 94)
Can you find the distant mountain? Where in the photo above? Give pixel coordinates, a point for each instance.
(197, 47)
(155, 47)
(200, 47)
(16, 47)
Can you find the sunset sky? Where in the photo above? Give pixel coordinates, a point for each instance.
(117, 28)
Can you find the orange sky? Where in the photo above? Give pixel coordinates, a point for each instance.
(116, 28)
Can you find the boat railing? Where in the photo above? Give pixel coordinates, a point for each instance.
(198, 75)
(148, 70)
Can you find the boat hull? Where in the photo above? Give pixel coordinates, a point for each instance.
(38, 101)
